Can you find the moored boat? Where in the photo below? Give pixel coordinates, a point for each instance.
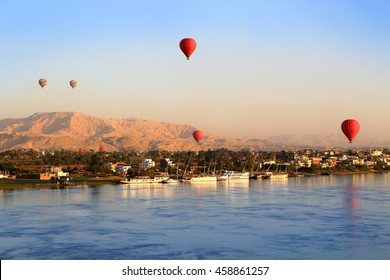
(233, 175)
(279, 175)
(170, 181)
(145, 179)
(195, 179)
(263, 174)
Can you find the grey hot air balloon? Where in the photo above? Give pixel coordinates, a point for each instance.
(42, 82)
(73, 83)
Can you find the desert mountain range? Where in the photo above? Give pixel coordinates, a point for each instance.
(72, 130)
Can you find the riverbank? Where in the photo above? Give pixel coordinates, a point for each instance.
(8, 184)
(78, 182)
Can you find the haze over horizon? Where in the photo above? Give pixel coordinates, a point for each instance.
(261, 68)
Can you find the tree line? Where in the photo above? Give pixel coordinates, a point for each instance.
(29, 160)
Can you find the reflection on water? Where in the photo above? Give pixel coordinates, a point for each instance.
(352, 202)
(323, 217)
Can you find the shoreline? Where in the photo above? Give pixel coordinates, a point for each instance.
(7, 184)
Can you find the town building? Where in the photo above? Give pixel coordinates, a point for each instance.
(147, 163)
(166, 163)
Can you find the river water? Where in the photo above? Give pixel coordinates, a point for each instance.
(325, 217)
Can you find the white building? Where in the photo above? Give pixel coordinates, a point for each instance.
(61, 174)
(147, 163)
(166, 163)
(122, 168)
(376, 153)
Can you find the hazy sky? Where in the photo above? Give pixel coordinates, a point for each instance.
(261, 68)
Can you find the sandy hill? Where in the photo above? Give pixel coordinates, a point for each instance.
(72, 130)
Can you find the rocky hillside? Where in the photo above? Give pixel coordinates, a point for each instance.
(72, 130)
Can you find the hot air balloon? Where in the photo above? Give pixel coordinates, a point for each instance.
(103, 148)
(42, 82)
(198, 135)
(81, 150)
(73, 83)
(350, 128)
(187, 46)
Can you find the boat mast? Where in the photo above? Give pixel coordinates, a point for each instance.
(208, 169)
(177, 169)
(243, 170)
(188, 163)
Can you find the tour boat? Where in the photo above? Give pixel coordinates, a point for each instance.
(278, 175)
(233, 175)
(195, 179)
(145, 179)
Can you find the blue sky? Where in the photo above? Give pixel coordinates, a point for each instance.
(261, 68)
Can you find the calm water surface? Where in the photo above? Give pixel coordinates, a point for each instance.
(324, 217)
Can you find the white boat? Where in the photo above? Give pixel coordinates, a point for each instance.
(137, 180)
(196, 179)
(170, 181)
(145, 179)
(263, 174)
(278, 175)
(160, 178)
(233, 175)
(281, 175)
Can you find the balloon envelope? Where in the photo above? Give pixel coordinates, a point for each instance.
(103, 148)
(42, 82)
(73, 83)
(82, 150)
(198, 135)
(350, 128)
(187, 46)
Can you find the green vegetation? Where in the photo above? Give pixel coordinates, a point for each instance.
(92, 166)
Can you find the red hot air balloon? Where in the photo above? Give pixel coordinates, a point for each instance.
(350, 128)
(187, 46)
(81, 150)
(103, 149)
(198, 135)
